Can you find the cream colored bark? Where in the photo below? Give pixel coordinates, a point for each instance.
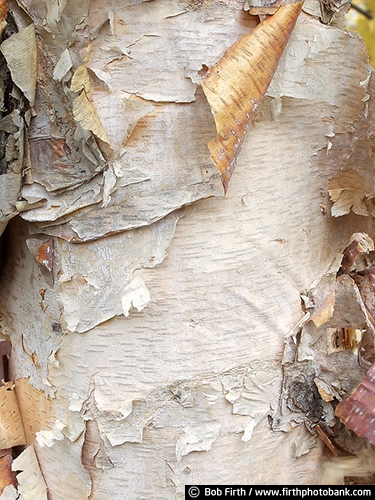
(147, 351)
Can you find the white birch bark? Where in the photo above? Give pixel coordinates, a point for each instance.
(147, 353)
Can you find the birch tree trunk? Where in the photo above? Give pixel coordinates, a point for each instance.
(148, 313)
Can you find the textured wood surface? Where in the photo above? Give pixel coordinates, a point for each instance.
(179, 391)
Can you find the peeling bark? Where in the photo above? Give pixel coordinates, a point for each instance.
(161, 331)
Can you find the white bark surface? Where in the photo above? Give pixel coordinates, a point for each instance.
(154, 353)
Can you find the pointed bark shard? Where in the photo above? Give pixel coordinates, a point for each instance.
(20, 52)
(84, 111)
(359, 243)
(45, 255)
(324, 311)
(235, 86)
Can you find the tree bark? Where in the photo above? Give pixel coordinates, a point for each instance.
(147, 311)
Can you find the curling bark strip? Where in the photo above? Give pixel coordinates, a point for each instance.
(236, 85)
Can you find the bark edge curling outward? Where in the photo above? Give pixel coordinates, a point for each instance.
(235, 86)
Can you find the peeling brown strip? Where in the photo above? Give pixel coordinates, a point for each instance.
(7, 476)
(236, 85)
(358, 411)
(11, 426)
(351, 252)
(360, 243)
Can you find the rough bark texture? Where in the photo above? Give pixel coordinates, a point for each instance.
(147, 350)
